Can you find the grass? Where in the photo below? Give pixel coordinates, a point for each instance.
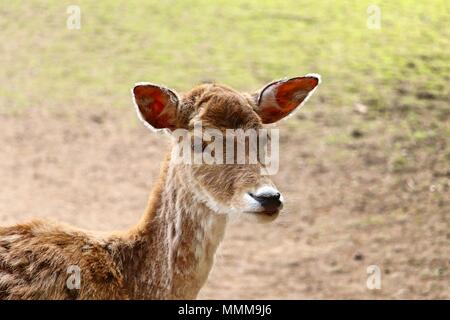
(400, 71)
(241, 43)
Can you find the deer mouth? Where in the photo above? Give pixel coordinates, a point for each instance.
(270, 212)
(263, 216)
(267, 212)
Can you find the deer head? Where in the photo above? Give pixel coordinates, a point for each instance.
(228, 185)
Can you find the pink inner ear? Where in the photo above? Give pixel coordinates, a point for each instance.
(288, 96)
(152, 101)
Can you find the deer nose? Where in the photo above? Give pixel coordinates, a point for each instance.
(270, 200)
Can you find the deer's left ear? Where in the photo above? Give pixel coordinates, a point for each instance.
(156, 105)
(280, 98)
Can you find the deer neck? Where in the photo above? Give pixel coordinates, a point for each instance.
(171, 251)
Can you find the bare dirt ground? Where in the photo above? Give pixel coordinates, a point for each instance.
(95, 169)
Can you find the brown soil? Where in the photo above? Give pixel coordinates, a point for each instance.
(94, 169)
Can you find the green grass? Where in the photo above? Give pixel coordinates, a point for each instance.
(241, 43)
(400, 72)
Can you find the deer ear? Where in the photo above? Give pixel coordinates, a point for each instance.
(280, 98)
(156, 106)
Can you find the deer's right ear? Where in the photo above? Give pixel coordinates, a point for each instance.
(280, 98)
(156, 106)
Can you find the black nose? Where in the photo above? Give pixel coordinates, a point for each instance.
(269, 201)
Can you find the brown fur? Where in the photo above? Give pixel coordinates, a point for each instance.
(169, 253)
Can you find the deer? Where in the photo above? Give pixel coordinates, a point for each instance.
(170, 252)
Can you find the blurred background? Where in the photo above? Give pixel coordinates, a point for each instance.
(365, 165)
